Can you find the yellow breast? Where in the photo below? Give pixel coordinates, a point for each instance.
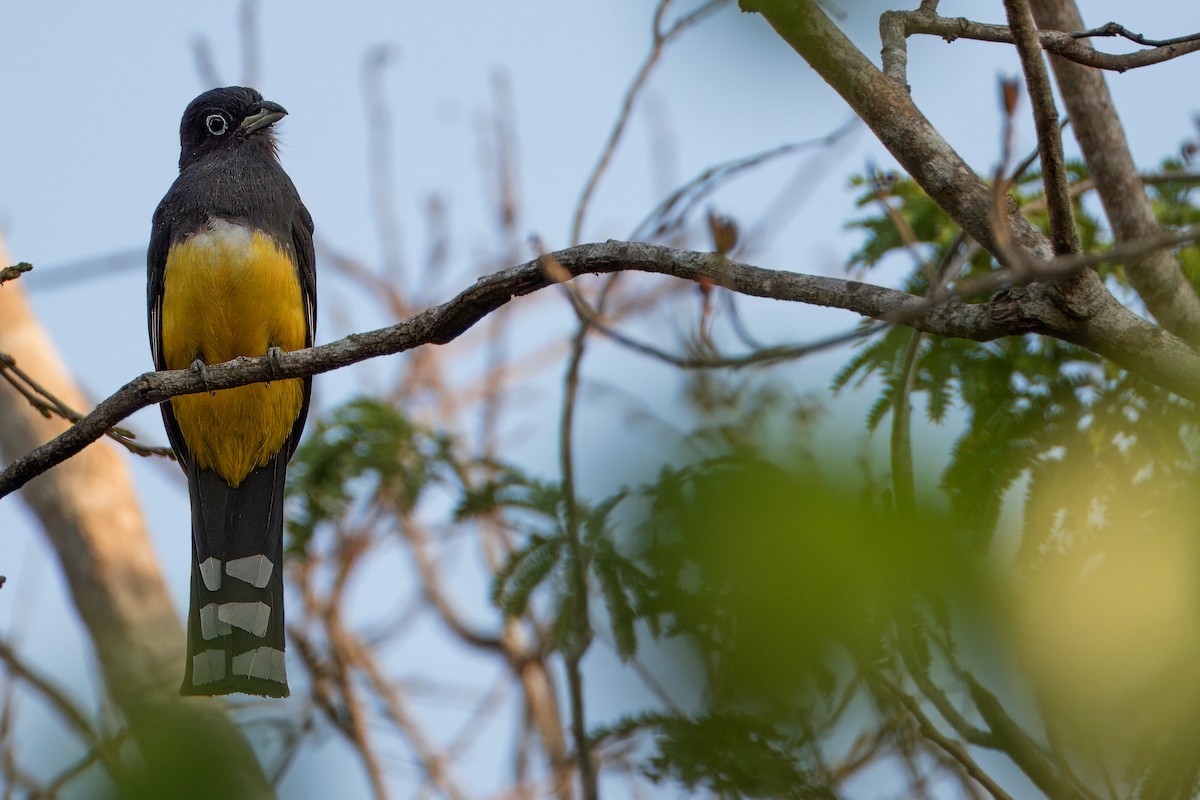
(230, 291)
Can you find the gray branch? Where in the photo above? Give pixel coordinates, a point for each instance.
(1087, 316)
(1158, 279)
(896, 26)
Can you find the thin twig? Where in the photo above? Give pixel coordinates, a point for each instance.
(431, 586)
(49, 405)
(102, 752)
(249, 39)
(952, 748)
(436, 765)
(896, 26)
(581, 637)
(66, 709)
(206, 65)
(674, 209)
(1113, 29)
(379, 147)
(660, 40)
(582, 632)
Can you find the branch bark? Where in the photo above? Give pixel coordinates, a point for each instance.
(1088, 317)
(1058, 41)
(1157, 278)
(885, 105)
(1049, 132)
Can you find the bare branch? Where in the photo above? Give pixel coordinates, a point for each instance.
(1113, 29)
(1049, 134)
(48, 405)
(1158, 279)
(896, 26)
(660, 40)
(951, 747)
(1093, 320)
(886, 107)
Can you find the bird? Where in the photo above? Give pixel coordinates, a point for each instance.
(231, 272)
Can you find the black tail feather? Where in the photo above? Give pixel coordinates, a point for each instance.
(235, 625)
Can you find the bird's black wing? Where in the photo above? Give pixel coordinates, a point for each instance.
(156, 267)
(306, 270)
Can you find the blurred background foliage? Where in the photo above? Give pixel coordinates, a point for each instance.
(824, 626)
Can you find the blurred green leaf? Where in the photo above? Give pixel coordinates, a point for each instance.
(365, 450)
(1031, 403)
(730, 754)
(525, 570)
(767, 569)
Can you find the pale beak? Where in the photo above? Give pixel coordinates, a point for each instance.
(268, 113)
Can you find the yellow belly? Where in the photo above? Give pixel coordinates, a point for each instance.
(230, 292)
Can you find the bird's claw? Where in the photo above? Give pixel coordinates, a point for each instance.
(199, 368)
(273, 354)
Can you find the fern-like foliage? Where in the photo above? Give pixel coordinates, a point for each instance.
(363, 452)
(730, 754)
(1033, 405)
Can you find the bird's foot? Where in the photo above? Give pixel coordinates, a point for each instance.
(273, 354)
(199, 368)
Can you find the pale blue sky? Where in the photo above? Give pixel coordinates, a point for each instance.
(92, 93)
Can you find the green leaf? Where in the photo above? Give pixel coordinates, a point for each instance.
(610, 569)
(525, 570)
(365, 449)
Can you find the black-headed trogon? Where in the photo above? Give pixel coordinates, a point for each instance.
(231, 273)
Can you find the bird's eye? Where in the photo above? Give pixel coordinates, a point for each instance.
(216, 124)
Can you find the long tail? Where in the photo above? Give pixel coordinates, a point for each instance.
(235, 625)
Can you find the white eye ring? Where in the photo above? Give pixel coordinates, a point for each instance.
(216, 124)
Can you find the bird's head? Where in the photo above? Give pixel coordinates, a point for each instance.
(224, 118)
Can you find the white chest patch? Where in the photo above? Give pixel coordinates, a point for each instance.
(221, 234)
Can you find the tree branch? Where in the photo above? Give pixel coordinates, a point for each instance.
(1092, 319)
(1157, 278)
(885, 105)
(1010, 738)
(952, 748)
(896, 26)
(1049, 133)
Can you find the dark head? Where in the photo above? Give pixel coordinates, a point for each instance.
(223, 118)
